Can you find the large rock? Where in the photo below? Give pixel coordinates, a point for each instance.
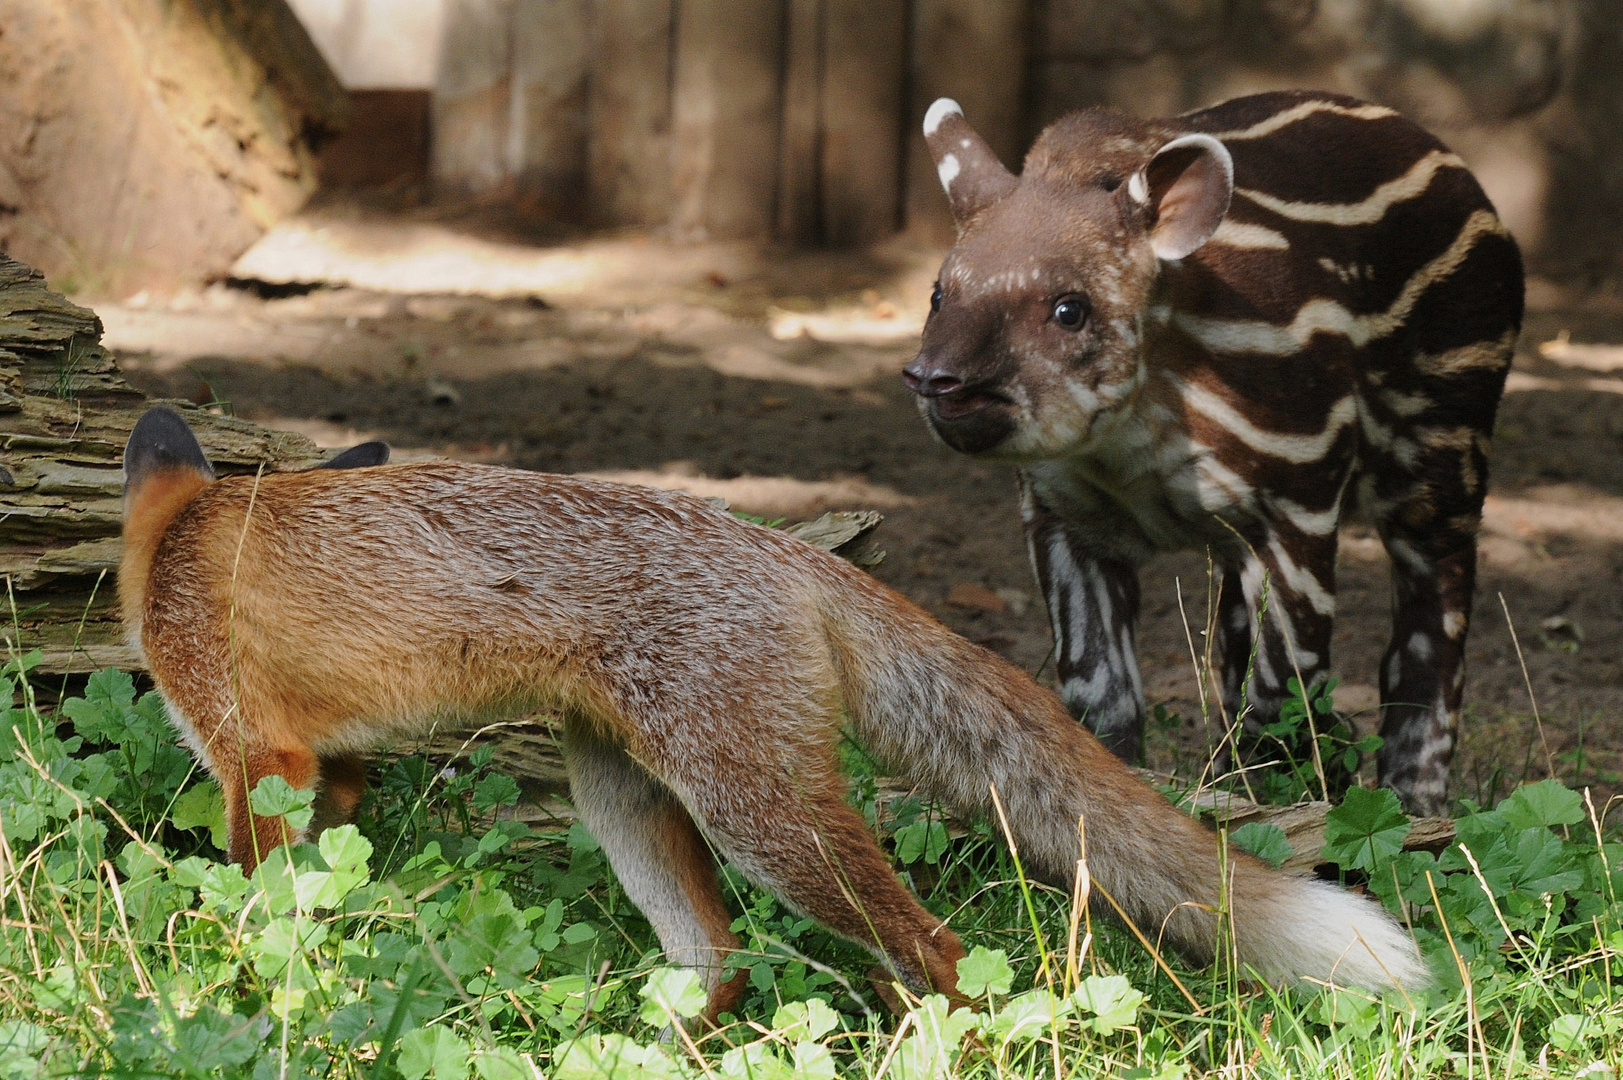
(150, 142)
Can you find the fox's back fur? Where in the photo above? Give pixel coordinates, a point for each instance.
(702, 667)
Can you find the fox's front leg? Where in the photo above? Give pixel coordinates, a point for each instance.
(244, 744)
(238, 770)
(1093, 606)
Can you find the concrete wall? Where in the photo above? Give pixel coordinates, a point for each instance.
(377, 44)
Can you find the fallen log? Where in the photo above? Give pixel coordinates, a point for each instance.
(65, 414)
(1303, 824)
(534, 761)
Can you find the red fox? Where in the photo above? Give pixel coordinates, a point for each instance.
(703, 668)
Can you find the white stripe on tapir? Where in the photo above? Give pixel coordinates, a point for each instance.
(1302, 579)
(1367, 211)
(1301, 112)
(1311, 522)
(1324, 316)
(1300, 449)
(1240, 234)
(1482, 354)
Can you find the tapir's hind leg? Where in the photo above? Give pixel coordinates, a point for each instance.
(1423, 671)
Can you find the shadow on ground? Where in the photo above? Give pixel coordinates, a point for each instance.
(713, 385)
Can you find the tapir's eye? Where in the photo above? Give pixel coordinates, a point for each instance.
(935, 299)
(1071, 311)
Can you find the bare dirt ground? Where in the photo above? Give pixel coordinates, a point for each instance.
(772, 381)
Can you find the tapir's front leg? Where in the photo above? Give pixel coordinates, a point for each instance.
(1288, 583)
(1093, 605)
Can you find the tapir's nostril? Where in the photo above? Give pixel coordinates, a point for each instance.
(926, 380)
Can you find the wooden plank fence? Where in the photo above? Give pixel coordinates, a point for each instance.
(793, 120)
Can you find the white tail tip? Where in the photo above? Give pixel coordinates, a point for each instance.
(1323, 933)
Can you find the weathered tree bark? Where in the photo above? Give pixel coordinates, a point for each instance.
(65, 413)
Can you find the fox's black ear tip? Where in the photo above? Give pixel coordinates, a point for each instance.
(363, 456)
(156, 421)
(162, 439)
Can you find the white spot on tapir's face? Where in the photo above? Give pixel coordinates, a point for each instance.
(948, 171)
(1138, 188)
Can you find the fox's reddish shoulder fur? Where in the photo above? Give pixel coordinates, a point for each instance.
(145, 523)
(701, 667)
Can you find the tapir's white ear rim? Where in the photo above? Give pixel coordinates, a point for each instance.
(1188, 183)
(939, 110)
(970, 173)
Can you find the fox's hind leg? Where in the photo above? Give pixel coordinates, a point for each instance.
(782, 819)
(661, 859)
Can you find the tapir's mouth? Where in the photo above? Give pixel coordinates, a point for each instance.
(965, 402)
(973, 420)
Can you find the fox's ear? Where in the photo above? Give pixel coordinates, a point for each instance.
(361, 456)
(970, 172)
(161, 442)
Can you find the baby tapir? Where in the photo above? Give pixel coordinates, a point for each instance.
(1231, 329)
(704, 670)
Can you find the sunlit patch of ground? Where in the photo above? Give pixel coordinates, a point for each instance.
(768, 496)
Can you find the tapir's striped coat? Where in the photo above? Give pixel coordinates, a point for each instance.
(1294, 306)
(702, 668)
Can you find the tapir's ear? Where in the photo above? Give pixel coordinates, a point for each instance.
(971, 174)
(1186, 186)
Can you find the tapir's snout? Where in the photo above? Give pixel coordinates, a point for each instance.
(928, 378)
(972, 417)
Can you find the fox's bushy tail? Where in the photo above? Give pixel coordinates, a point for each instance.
(958, 720)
